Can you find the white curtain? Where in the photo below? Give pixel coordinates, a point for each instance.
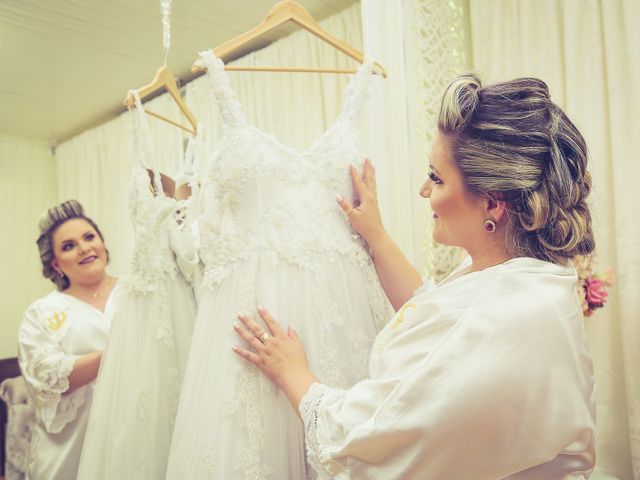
(94, 166)
(388, 117)
(588, 51)
(27, 170)
(437, 51)
(423, 45)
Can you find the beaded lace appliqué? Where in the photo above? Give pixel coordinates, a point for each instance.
(153, 268)
(296, 221)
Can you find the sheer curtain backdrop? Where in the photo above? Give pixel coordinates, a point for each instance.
(384, 40)
(437, 44)
(423, 46)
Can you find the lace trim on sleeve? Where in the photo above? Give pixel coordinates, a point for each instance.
(309, 412)
(55, 408)
(309, 406)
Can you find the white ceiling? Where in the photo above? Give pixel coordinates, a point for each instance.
(66, 65)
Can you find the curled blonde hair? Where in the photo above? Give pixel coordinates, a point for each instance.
(512, 143)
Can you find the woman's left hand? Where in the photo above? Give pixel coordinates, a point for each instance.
(279, 354)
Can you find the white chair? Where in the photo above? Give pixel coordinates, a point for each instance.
(21, 419)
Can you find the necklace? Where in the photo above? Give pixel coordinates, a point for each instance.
(99, 293)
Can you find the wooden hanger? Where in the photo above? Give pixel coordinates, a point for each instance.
(164, 79)
(282, 12)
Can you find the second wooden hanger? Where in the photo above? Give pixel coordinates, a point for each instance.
(282, 12)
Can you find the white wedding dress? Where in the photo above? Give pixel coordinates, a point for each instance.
(152, 313)
(272, 234)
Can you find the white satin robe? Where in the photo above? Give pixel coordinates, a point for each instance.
(56, 329)
(483, 377)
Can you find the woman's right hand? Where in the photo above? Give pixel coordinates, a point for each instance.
(85, 370)
(364, 214)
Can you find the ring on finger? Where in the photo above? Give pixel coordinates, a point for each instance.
(264, 337)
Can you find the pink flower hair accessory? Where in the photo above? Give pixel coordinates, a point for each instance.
(592, 287)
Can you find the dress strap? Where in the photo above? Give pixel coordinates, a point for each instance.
(192, 172)
(357, 91)
(145, 152)
(230, 108)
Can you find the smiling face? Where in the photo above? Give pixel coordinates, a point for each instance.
(79, 252)
(459, 215)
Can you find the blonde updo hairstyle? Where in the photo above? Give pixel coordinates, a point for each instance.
(512, 143)
(48, 224)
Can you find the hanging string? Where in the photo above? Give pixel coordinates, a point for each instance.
(165, 9)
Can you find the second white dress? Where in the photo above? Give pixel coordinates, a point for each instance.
(152, 314)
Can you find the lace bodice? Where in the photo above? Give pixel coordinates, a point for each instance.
(263, 195)
(272, 233)
(150, 213)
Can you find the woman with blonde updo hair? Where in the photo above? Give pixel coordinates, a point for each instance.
(512, 143)
(487, 374)
(62, 336)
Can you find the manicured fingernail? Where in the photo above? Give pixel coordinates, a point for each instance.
(261, 309)
(339, 198)
(234, 348)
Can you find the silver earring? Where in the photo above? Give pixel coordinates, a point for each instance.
(489, 225)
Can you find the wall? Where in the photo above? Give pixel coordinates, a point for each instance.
(27, 188)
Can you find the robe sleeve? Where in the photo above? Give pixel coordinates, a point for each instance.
(507, 393)
(46, 369)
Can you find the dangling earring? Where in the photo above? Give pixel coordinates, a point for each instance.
(489, 225)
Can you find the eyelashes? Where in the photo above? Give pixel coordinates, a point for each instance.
(434, 178)
(89, 237)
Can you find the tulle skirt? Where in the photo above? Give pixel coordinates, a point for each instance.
(137, 389)
(232, 422)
